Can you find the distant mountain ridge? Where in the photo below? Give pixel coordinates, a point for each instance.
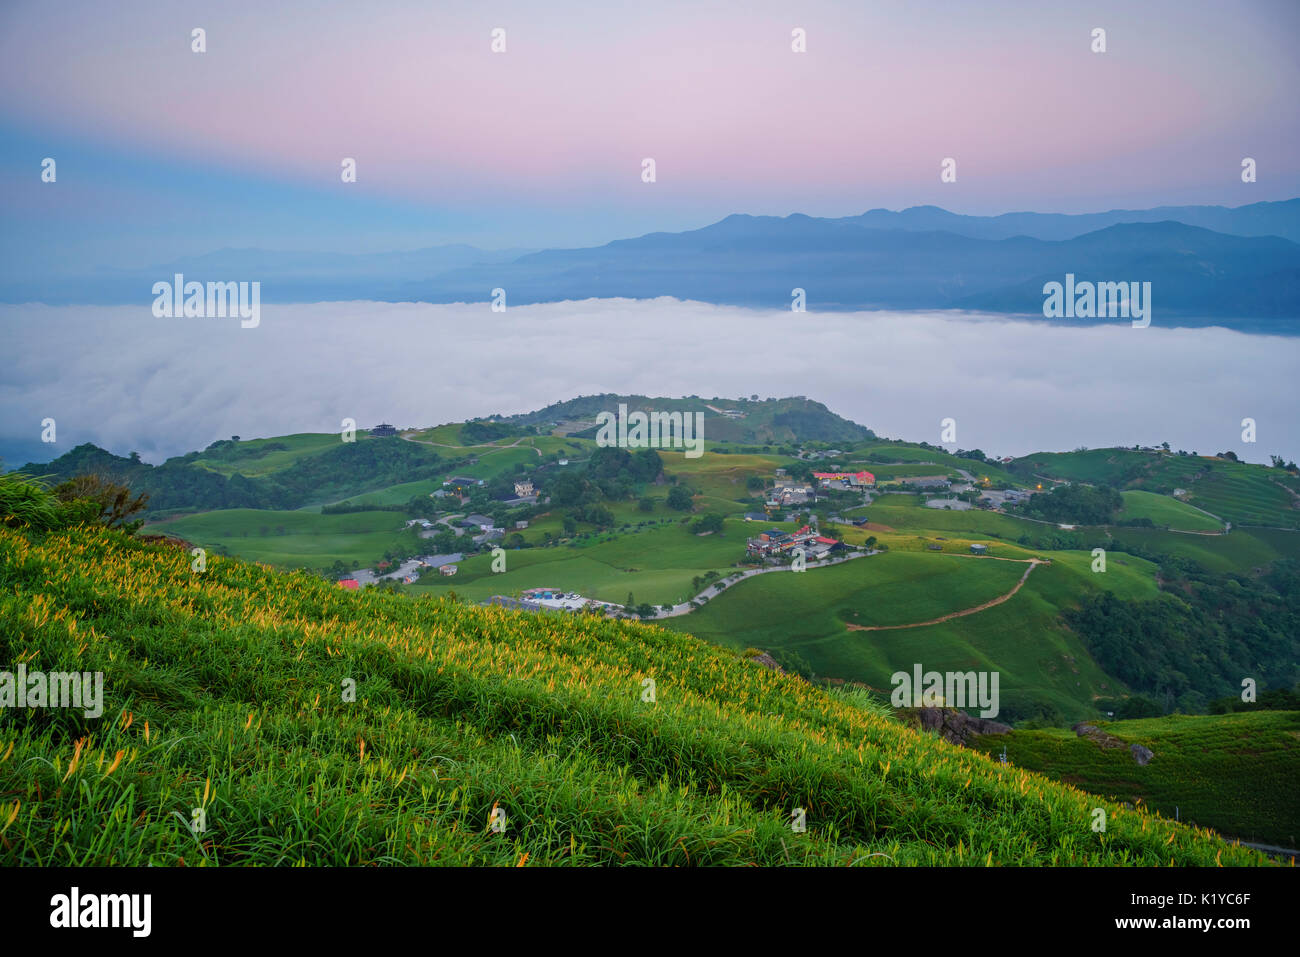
(1237, 267)
(1197, 274)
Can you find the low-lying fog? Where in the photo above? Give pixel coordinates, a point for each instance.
(125, 380)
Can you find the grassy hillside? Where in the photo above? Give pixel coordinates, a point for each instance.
(1236, 773)
(1042, 663)
(1166, 511)
(294, 539)
(225, 690)
(763, 421)
(1237, 492)
(656, 563)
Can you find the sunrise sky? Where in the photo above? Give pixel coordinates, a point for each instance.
(163, 152)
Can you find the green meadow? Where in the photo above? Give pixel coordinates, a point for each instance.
(656, 564)
(1166, 512)
(1237, 492)
(1236, 773)
(294, 539)
(258, 457)
(1039, 659)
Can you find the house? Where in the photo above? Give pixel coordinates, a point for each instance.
(927, 481)
(482, 522)
(562, 462)
(845, 479)
(521, 524)
(382, 429)
(447, 569)
(781, 473)
(351, 584)
(774, 542)
(523, 489)
(463, 482)
(787, 495)
(979, 549)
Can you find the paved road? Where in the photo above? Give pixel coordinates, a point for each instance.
(717, 588)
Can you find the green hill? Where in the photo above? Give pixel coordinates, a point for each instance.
(753, 421)
(226, 690)
(1045, 669)
(1236, 773)
(1237, 492)
(1164, 511)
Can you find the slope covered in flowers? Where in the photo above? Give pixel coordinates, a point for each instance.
(227, 691)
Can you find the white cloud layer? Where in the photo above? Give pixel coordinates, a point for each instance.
(120, 378)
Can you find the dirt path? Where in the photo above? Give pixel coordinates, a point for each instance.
(1033, 563)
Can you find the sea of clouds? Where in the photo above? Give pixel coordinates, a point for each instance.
(125, 380)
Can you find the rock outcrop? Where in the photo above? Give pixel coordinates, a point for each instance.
(767, 661)
(1141, 753)
(957, 727)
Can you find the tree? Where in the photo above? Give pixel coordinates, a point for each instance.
(708, 523)
(680, 498)
(115, 502)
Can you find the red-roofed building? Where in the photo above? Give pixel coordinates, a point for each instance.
(846, 478)
(351, 584)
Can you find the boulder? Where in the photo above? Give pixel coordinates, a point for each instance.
(958, 727)
(1142, 754)
(767, 661)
